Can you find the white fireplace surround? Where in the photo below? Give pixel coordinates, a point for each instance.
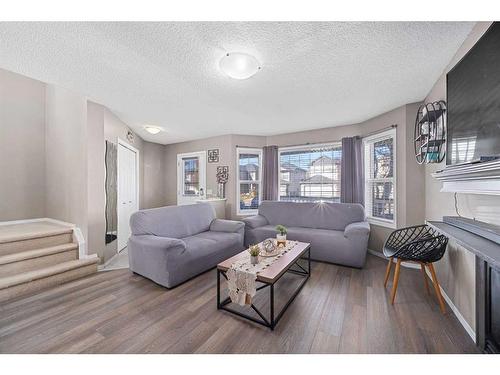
(478, 178)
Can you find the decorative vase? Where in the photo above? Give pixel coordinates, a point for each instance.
(254, 259)
(281, 239)
(221, 190)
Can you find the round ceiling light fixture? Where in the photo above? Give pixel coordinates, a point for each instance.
(152, 129)
(239, 65)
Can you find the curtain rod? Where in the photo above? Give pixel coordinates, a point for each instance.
(394, 126)
(300, 144)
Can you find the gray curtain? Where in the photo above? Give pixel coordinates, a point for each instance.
(352, 187)
(270, 173)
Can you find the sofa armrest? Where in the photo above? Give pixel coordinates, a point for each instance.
(360, 228)
(148, 242)
(255, 221)
(231, 226)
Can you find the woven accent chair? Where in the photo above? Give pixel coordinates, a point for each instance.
(419, 244)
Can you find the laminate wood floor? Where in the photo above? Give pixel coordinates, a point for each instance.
(339, 310)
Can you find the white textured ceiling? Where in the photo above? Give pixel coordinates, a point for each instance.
(313, 75)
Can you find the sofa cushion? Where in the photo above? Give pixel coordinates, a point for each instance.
(333, 216)
(223, 239)
(173, 221)
(326, 245)
(324, 237)
(205, 250)
(264, 232)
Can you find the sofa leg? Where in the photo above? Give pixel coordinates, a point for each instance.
(387, 272)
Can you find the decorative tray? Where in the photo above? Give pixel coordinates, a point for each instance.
(272, 254)
(277, 249)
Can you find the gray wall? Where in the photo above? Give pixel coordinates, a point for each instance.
(456, 271)
(154, 192)
(96, 179)
(22, 147)
(66, 157)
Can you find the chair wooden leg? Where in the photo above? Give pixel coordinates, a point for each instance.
(422, 267)
(395, 282)
(436, 288)
(387, 272)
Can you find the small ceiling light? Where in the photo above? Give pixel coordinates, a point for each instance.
(239, 65)
(152, 129)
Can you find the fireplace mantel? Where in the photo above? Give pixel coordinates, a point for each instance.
(485, 249)
(478, 178)
(487, 264)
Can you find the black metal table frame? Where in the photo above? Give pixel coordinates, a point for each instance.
(273, 320)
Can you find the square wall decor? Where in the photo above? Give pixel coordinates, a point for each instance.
(213, 155)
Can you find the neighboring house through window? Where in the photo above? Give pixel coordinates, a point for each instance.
(380, 178)
(249, 161)
(310, 173)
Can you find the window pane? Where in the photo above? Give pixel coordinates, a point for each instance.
(249, 167)
(383, 158)
(191, 176)
(249, 196)
(310, 175)
(383, 200)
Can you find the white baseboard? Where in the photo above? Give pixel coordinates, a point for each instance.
(106, 263)
(105, 266)
(448, 300)
(459, 316)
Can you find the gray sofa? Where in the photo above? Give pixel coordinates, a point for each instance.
(172, 244)
(338, 232)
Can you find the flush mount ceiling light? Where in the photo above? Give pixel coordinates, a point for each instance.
(152, 129)
(239, 65)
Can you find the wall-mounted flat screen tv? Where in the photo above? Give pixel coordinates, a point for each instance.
(473, 96)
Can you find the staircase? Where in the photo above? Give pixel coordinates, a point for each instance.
(37, 255)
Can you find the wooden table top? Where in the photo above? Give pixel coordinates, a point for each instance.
(275, 270)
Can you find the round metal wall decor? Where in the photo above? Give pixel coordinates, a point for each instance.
(430, 133)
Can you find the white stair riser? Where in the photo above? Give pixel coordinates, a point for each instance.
(35, 243)
(36, 285)
(32, 264)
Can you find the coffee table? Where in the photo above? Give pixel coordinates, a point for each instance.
(289, 262)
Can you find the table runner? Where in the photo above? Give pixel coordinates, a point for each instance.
(242, 275)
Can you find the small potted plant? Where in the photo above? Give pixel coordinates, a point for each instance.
(281, 236)
(254, 254)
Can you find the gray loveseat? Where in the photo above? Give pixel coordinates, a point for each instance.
(171, 244)
(338, 232)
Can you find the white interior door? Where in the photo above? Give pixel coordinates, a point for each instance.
(191, 177)
(127, 191)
